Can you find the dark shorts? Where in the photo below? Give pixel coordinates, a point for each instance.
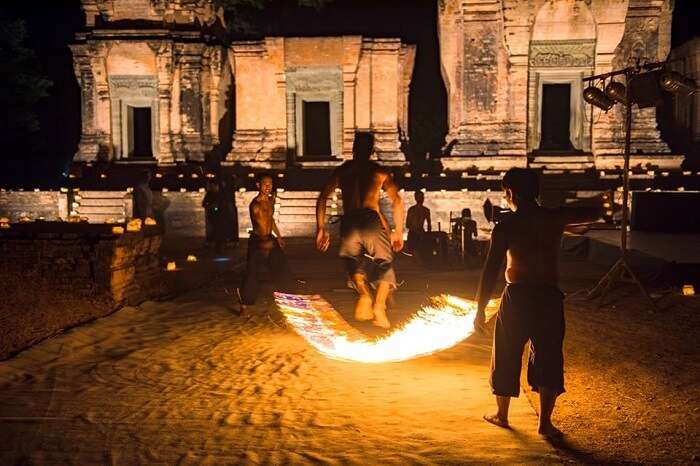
(533, 313)
(365, 247)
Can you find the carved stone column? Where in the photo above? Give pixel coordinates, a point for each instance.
(190, 64)
(164, 63)
(94, 139)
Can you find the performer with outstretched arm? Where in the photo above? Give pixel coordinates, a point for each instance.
(364, 230)
(532, 304)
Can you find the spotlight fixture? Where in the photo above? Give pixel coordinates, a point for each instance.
(672, 81)
(617, 92)
(595, 96)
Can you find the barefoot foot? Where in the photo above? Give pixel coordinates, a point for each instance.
(550, 432)
(363, 308)
(380, 318)
(496, 420)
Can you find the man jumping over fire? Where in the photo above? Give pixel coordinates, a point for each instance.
(366, 240)
(532, 304)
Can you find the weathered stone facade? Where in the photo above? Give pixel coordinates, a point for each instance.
(157, 59)
(686, 109)
(364, 81)
(498, 54)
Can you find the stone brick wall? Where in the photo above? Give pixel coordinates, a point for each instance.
(51, 205)
(57, 275)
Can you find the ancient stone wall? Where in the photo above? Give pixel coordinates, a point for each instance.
(364, 81)
(498, 54)
(49, 205)
(57, 275)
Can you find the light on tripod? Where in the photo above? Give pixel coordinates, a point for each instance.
(672, 81)
(595, 96)
(617, 92)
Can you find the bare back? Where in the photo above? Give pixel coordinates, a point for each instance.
(361, 184)
(533, 241)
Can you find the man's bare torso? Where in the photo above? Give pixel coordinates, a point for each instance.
(261, 210)
(416, 218)
(361, 185)
(533, 239)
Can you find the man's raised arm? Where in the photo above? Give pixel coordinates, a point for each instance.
(323, 239)
(494, 261)
(397, 211)
(582, 212)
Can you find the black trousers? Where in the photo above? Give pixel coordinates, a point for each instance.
(265, 253)
(533, 313)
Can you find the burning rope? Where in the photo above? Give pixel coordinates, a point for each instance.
(440, 325)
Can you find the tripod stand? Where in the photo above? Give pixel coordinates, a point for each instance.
(621, 271)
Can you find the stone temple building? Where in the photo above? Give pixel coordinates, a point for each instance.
(153, 79)
(300, 100)
(513, 71)
(685, 111)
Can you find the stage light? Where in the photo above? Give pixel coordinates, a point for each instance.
(617, 92)
(672, 81)
(596, 97)
(644, 89)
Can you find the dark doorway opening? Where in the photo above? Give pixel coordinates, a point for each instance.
(556, 112)
(140, 137)
(317, 129)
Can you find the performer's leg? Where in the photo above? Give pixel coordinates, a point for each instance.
(282, 275)
(351, 253)
(378, 246)
(251, 286)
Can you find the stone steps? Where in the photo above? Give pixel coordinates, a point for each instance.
(99, 206)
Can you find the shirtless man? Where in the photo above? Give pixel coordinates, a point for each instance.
(366, 240)
(264, 248)
(416, 219)
(532, 305)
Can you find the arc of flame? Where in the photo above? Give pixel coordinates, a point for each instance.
(440, 325)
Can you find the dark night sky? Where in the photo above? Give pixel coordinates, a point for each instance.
(52, 24)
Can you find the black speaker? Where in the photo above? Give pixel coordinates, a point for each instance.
(666, 211)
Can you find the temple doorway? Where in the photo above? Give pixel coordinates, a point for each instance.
(317, 129)
(140, 132)
(556, 116)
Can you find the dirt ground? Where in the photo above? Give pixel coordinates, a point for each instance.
(186, 381)
(632, 377)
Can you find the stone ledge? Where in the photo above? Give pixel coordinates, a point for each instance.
(646, 161)
(483, 162)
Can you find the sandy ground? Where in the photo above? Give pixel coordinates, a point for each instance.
(186, 381)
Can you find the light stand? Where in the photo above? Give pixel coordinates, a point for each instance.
(669, 81)
(617, 272)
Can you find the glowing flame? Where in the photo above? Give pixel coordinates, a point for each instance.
(443, 323)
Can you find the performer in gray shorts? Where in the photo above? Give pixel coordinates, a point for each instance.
(365, 247)
(364, 230)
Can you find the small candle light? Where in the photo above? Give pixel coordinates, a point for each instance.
(406, 175)
(443, 174)
(171, 266)
(159, 175)
(118, 230)
(210, 175)
(4, 226)
(134, 225)
(194, 175)
(103, 175)
(280, 175)
(688, 290)
(149, 221)
(242, 190)
(183, 190)
(251, 175)
(191, 258)
(202, 190)
(180, 175)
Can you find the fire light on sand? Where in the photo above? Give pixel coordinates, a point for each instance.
(440, 325)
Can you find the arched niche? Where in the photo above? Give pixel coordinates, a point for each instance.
(562, 52)
(133, 88)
